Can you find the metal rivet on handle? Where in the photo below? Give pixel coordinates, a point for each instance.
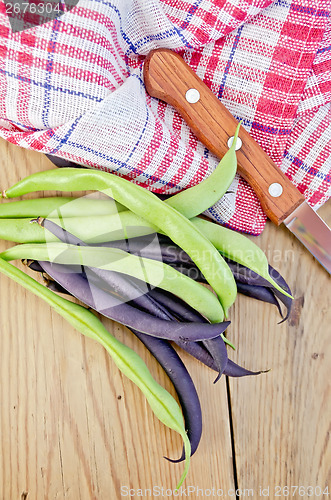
(192, 96)
(238, 143)
(275, 189)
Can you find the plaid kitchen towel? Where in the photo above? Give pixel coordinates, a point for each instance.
(72, 87)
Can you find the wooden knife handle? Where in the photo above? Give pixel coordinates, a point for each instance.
(168, 77)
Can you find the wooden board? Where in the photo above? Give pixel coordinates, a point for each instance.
(282, 418)
(72, 427)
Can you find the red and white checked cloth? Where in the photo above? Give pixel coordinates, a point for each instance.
(73, 88)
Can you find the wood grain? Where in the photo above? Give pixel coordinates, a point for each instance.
(168, 77)
(281, 419)
(71, 426)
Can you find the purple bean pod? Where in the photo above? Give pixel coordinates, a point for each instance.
(170, 361)
(175, 305)
(199, 352)
(247, 280)
(219, 353)
(124, 313)
(151, 247)
(260, 293)
(62, 162)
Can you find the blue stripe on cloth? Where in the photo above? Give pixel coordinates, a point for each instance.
(65, 138)
(228, 64)
(313, 11)
(309, 169)
(49, 86)
(270, 130)
(324, 49)
(49, 71)
(250, 124)
(124, 35)
(282, 3)
(26, 127)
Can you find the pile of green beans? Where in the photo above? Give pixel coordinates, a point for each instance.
(146, 206)
(128, 211)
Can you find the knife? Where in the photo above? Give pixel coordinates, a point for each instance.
(169, 78)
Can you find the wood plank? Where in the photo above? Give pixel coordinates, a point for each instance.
(71, 426)
(282, 418)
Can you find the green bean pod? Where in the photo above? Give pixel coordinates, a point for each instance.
(161, 402)
(197, 199)
(90, 229)
(57, 206)
(237, 247)
(146, 205)
(154, 272)
(22, 231)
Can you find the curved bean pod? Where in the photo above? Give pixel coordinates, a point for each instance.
(168, 358)
(234, 370)
(237, 247)
(146, 205)
(161, 402)
(248, 282)
(56, 206)
(216, 346)
(197, 351)
(197, 199)
(259, 293)
(286, 300)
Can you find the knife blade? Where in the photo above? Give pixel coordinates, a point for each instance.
(169, 78)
